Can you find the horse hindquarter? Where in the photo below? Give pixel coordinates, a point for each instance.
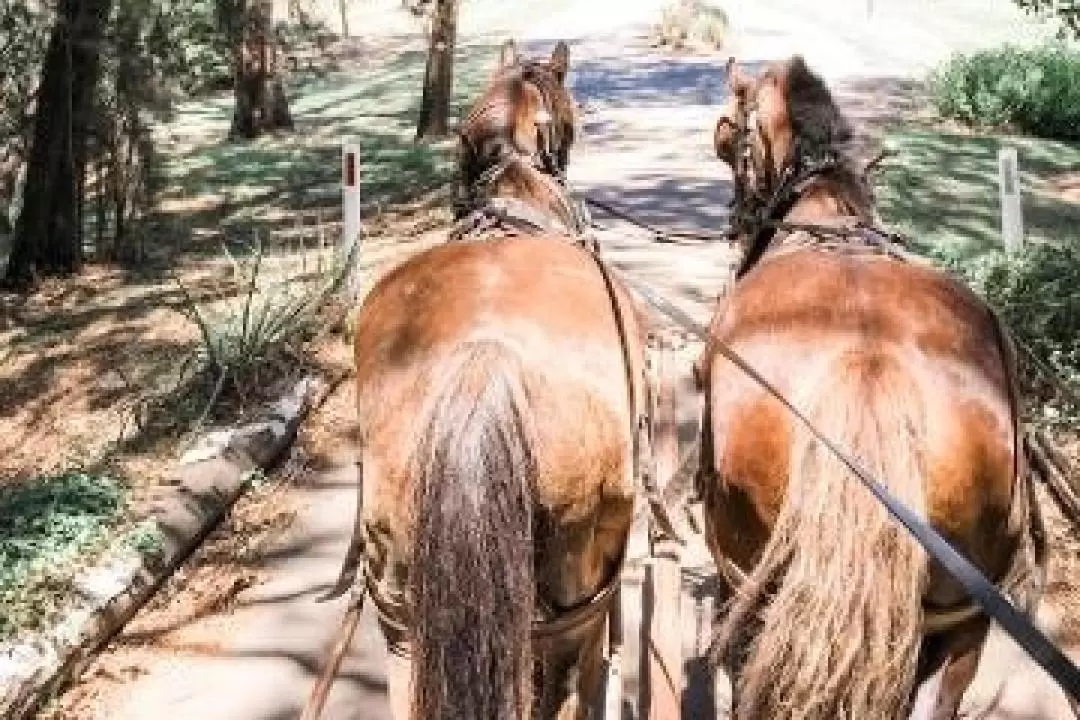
(497, 467)
(838, 587)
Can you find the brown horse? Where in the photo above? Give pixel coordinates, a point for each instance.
(836, 612)
(497, 380)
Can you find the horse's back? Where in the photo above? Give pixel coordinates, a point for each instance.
(809, 320)
(545, 302)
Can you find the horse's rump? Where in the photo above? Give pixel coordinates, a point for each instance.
(903, 368)
(495, 335)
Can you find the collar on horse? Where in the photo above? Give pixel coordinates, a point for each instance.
(487, 214)
(513, 216)
(757, 216)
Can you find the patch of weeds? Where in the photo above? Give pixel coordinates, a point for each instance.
(146, 539)
(256, 479)
(49, 528)
(256, 338)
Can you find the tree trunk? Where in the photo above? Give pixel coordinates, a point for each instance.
(343, 5)
(48, 237)
(439, 75)
(99, 206)
(261, 104)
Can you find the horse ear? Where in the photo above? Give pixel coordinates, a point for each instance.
(560, 60)
(507, 54)
(737, 80)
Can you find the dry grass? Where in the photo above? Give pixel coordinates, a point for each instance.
(691, 25)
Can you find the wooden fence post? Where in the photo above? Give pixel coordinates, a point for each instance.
(350, 216)
(1012, 218)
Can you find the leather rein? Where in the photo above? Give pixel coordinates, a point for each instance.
(757, 216)
(489, 218)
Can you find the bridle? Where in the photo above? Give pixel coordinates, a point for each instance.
(763, 196)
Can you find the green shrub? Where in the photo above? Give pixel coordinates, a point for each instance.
(48, 529)
(691, 23)
(1035, 91)
(1037, 293)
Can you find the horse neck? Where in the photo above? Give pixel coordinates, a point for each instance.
(835, 196)
(827, 199)
(525, 183)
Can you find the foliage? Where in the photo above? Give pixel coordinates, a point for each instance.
(1033, 90)
(132, 92)
(1067, 12)
(686, 23)
(190, 41)
(262, 327)
(1037, 293)
(47, 529)
(145, 538)
(24, 32)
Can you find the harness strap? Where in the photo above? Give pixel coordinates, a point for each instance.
(560, 624)
(993, 602)
(506, 212)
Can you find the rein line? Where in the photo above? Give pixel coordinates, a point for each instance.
(1022, 630)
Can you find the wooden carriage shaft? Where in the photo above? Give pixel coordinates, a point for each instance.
(663, 579)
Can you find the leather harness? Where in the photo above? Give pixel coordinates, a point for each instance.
(760, 224)
(494, 218)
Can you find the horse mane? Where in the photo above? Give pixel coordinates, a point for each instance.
(815, 117)
(821, 131)
(525, 182)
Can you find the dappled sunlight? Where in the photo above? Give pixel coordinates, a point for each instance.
(942, 187)
(240, 186)
(649, 81)
(238, 632)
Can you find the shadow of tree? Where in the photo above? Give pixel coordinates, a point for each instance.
(942, 188)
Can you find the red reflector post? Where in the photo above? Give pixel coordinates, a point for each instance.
(350, 169)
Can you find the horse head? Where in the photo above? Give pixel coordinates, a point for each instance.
(779, 132)
(526, 113)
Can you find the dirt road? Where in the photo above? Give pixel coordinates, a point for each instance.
(645, 145)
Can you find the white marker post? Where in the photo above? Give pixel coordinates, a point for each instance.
(1012, 218)
(350, 213)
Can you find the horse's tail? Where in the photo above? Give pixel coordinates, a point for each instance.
(836, 600)
(472, 564)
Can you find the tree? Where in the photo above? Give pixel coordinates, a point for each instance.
(439, 75)
(48, 237)
(1066, 11)
(343, 8)
(260, 96)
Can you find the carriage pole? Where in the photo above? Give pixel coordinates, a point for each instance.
(663, 575)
